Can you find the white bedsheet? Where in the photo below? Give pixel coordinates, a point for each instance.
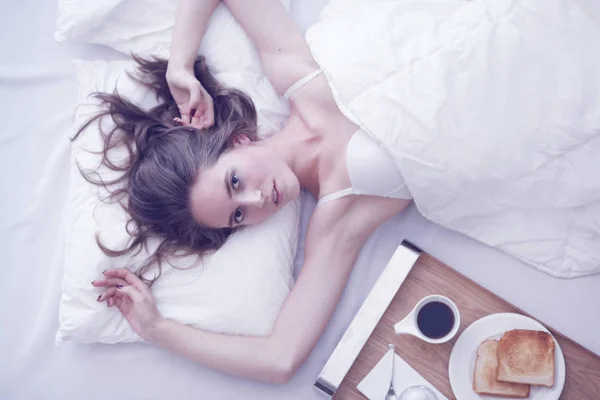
(491, 110)
(37, 96)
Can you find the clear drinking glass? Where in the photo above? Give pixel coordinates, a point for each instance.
(417, 392)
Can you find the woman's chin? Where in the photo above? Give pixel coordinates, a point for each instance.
(287, 198)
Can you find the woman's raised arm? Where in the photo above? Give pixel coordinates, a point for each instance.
(191, 22)
(284, 54)
(194, 103)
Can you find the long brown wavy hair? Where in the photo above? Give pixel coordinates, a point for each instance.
(154, 181)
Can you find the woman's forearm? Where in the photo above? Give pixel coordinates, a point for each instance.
(191, 21)
(257, 358)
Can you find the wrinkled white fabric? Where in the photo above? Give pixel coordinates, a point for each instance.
(491, 109)
(146, 26)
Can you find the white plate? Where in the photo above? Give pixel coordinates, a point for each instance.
(464, 353)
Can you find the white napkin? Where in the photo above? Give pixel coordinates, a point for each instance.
(376, 383)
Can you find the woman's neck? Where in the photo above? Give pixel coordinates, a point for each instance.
(301, 149)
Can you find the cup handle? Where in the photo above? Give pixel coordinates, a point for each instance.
(406, 326)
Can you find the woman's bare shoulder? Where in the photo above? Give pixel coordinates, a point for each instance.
(316, 106)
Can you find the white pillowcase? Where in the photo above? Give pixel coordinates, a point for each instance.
(239, 289)
(145, 27)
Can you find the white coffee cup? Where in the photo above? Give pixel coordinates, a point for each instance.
(409, 325)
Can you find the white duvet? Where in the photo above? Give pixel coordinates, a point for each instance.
(491, 109)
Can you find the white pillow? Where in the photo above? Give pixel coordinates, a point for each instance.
(145, 27)
(239, 289)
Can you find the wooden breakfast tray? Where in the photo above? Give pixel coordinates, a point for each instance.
(430, 276)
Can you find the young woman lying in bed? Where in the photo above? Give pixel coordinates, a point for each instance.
(194, 187)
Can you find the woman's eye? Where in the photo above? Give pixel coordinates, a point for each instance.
(235, 182)
(238, 216)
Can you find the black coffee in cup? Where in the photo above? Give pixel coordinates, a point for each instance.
(435, 320)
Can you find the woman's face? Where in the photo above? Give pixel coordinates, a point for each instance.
(246, 185)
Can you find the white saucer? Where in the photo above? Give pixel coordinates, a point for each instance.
(464, 353)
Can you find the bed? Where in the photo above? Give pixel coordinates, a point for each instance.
(38, 94)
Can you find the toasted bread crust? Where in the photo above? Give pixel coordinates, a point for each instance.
(484, 375)
(526, 357)
(506, 396)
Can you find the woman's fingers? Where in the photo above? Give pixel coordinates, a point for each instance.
(189, 117)
(204, 116)
(107, 293)
(209, 114)
(197, 109)
(195, 89)
(118, 302)
(129, 277)
(198, 119)
(201, 108)
(185, 114)
(190, 110)
(124, 292)
(109, 282)
(116, 295)
(130, 292)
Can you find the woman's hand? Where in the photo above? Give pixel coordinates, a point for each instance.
(132, 297)
(194, 103)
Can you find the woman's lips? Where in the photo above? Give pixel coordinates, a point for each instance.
(279, 195)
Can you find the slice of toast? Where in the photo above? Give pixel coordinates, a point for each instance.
(526, 357)
(484, 379)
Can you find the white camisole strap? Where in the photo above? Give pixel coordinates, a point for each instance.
(336, 195)
(301, 82)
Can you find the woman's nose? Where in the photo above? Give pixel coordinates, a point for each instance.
(252, 198)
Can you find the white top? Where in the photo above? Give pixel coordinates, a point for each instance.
(301, 82)
(372, 171)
